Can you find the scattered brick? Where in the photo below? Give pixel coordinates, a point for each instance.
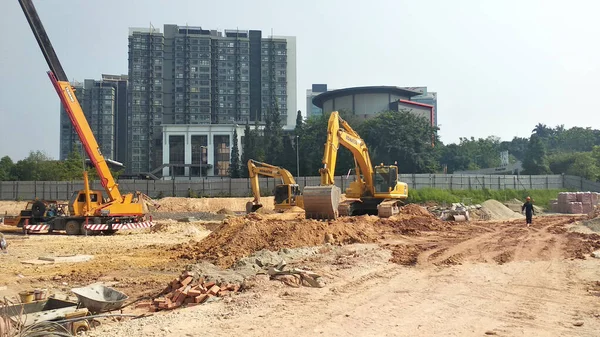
(214, 290)
(201, 298)
(186, 281)
(188, 290)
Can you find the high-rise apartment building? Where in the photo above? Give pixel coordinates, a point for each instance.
(104, 104)
(197, 77)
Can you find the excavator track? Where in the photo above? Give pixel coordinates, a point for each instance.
(345, 207)
(321, 202)
(388, 208)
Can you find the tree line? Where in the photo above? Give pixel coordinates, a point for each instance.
(392, 137)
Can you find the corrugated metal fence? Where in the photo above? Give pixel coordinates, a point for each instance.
(240, 187)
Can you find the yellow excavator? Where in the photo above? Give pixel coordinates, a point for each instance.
(287, 195)
(88, 209)
(376, 190)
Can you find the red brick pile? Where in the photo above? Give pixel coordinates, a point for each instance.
(190, 289)
(575, 202)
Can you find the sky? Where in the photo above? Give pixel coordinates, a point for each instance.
(499, 67)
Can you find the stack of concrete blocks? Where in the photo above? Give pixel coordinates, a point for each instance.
(575, 202)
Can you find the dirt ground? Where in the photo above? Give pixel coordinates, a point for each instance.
(407, 275)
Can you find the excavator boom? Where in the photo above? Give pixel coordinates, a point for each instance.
(67, 96)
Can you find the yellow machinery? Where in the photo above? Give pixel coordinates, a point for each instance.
(86, 206)
(376, 190)
(287, 195)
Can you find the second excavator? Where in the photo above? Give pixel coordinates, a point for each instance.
(375, 191)
(287, 195)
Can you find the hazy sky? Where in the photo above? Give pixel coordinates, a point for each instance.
(499, 67)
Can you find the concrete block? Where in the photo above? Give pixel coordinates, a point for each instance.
(67, 259)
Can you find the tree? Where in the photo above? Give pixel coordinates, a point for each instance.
(535, 161)
(247, 150)
(235, 168)
(455, 158)
(273, 137)
(6, 166)
(542, 131)
(404, 138)
(257, 144)
(299, 123)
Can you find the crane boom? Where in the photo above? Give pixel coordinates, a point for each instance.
(66, 93)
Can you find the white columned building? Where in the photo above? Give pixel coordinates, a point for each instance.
(199, 144)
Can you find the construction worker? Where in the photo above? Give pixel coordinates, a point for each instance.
(529, 211)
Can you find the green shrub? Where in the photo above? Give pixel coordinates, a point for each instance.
(541, 197)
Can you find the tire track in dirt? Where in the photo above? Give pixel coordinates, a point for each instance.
(473, 249)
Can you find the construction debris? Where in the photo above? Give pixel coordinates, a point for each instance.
(189, 289)
(295, 277)
(455, 212)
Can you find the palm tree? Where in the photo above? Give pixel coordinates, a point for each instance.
(542, 130)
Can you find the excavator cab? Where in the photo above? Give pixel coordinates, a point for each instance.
(385, 178)
(286, 194)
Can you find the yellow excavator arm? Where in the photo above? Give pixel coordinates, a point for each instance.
(339, 133)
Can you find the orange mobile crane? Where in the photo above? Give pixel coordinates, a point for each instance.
(88, 210)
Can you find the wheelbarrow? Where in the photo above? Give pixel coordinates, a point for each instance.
(98, 298)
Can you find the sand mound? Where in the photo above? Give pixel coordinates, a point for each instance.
(225, 211)
(240, 237)
(171, 204)
(498, 211)
(416, 210)
(11, 207)
(294, 209)
(264, 210)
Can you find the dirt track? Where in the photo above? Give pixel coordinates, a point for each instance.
(498, 278)
(409, 275)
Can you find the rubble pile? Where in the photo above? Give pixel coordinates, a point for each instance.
(454, 212)
(574, 202)
(189, 289)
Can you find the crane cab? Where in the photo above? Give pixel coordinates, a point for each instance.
(77, 204)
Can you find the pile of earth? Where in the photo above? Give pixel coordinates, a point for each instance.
(498, 211)
(242, 236)
(416, 210)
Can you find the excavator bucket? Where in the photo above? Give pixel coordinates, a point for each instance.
(252, 207)
(321, 202)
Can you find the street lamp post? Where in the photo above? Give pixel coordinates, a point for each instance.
(297, 157)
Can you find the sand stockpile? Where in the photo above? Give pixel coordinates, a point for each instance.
(174, 205)
(498, 211)
(240, 237)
